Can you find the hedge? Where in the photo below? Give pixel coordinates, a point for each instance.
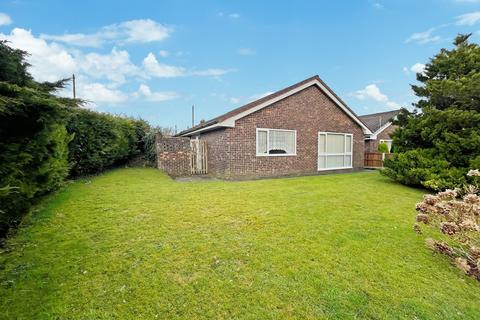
(45, 138)
(101, 140)
(43, 142)
(33, 149)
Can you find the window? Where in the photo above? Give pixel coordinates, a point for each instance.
(388, 143)
(276, 142)
(334, 150)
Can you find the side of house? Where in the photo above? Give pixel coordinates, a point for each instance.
(381, 126)
(301, 130)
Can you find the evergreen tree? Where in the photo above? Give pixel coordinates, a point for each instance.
(33, 138)
(440, 140)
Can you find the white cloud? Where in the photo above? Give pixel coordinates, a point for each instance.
(233, 15)
(153, 68)
(77, 39)
(246, 51)
(468, 19)
(115, 66)
(235, 100)
(259, 96)
(423, 37)
(160, 70)
(133, 31)
(372, 92)
(5, 19)
(163, 53)
(211, 72)
(417, 67)
(100, 76)
(240, 99)
(49, 61)
(393, 105)
(145, 92)
(145, 30)
(100, 93)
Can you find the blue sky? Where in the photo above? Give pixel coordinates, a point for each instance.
(154, 59)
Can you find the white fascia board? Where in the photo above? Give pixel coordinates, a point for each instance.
(374, 135)
(210, 127)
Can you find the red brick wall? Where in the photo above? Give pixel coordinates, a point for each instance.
(232, 151)
(218, 152)
(173, 155)
(372, 145)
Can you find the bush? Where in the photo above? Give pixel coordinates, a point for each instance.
(150, 147)
(383, 147)
(44, 137)
(456, 214)
(33, 149)
(422, 168)
(150, 140)
(101, 140)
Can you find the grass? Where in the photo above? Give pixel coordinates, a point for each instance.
(134, 244)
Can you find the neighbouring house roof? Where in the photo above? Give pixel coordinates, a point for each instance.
(228, 119)
(377, 122)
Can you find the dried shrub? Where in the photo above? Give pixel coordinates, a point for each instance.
(455, 213)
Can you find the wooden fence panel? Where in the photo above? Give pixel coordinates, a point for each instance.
(375, 159)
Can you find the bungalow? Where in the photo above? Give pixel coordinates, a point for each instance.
(300, 130)
(381, 126)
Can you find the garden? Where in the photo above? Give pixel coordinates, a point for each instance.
(132, 243)
(84, 235)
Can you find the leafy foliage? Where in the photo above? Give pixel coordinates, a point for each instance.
(383, 147)
(13, 67)
(150, 140)
(33, 149)
(100, 140)
(422, 167)
(43, 138)
(440, 140)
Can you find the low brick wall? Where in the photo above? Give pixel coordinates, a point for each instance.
(173, 155)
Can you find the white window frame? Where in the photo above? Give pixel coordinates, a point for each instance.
(387, 140)
(326, 153)
(268, 143)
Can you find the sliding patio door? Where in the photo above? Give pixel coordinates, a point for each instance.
(334, 151)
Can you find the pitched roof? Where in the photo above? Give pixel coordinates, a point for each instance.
(376, 121)
(216, 122)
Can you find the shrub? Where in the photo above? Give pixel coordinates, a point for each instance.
(150, 147)
(422, 168)
(150, 139)
(33, 149)
(42, 136)
(383, 147)
(456, 214)
(101, 140)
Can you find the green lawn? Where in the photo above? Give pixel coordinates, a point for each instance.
(133, 244)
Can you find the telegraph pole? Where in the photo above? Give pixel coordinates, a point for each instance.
(193, 116)
(73, 86)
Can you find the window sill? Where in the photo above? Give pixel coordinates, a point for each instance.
(277, 155)
(338, 168)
